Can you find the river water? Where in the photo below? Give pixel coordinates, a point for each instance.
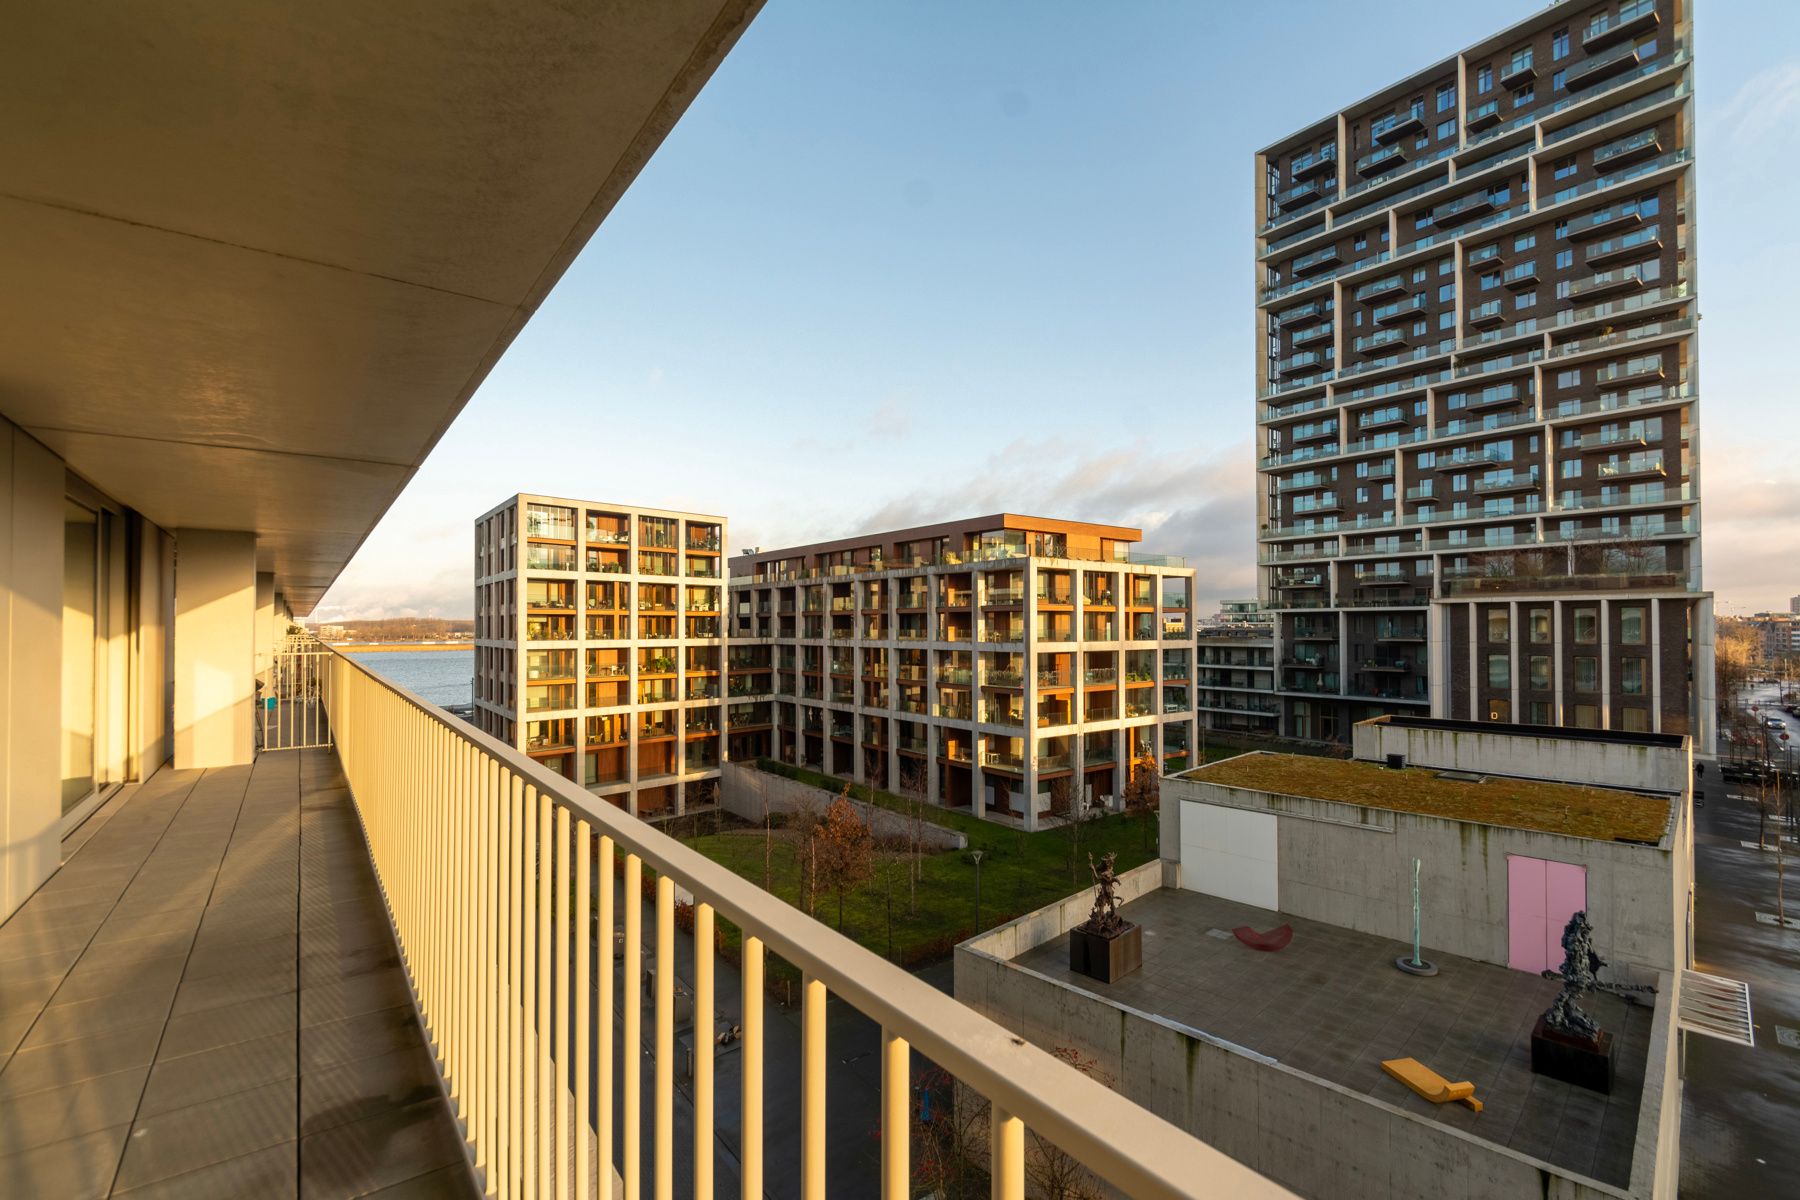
(440, 676)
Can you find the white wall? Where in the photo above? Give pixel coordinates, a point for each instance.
(215, 647)
(31, 578)
(1231, 853)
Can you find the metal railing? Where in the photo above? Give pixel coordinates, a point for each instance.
(295, 695)
(474, 846)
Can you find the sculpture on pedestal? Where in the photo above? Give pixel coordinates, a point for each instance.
(1105, 946)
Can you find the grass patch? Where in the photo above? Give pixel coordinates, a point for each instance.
(1605, 814)
(1020, 872)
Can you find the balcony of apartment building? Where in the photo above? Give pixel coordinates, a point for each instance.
(1099, 627)
(1002, 590)
(403, 959)
(1055, 589)
(1055, 627)
(955, 626)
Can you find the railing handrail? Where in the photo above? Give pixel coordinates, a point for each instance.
(1122, 1142)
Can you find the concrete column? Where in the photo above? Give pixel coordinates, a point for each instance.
(1704, 703)
(215, 647)
(31, 611)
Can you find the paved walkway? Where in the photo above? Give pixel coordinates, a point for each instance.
(206, 1001)
(1738, 1125)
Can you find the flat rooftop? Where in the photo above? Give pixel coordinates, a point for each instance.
(1604, 814)
(1332, 1005)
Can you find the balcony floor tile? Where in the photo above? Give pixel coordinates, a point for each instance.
(207, 1001)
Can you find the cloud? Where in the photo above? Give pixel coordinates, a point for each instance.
(1763, 113)
(369, 594)
(1196, 502)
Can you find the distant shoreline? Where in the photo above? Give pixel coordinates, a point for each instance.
(392, 647)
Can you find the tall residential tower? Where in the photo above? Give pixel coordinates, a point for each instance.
(1478, 388)
(599, 645)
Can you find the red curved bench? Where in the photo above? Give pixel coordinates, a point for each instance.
(1275, 939)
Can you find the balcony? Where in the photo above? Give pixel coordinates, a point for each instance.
(1321, 162)
(1463, 208)
(1638, 242)
(1387, 285)
(1313, 334)
(1483, 116)
(1643, 144)
(1609, 28)
(1606, 283)
(1601, 66)
(1387, 130)
(1521, 69)
(1379, 162)
(1521, 275)
(1381, 340)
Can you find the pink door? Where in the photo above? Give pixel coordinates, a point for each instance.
(1541, 897)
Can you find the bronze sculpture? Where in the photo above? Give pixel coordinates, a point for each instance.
(1104, 920)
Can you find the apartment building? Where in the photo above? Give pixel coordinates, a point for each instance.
(1235, 669)
(599, 645)
(1478, 388)
(1012, 666)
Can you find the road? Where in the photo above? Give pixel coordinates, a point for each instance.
(852, 1090)
(1740, 1134)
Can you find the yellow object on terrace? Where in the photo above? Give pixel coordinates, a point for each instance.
(1429, 1084)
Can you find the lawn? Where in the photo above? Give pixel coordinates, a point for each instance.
(1019, 872)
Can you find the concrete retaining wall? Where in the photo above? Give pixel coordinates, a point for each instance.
(1306, 1133)
(743, 790)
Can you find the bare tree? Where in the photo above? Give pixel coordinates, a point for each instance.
(844, 851)
(914, 782)
(1143, 794)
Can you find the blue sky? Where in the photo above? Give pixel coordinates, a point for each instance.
(902, 262)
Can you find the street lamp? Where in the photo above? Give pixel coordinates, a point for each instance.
(976, 855)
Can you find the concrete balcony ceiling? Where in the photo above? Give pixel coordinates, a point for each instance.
(254, 261)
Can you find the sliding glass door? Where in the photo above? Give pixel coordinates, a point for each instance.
(95, 663)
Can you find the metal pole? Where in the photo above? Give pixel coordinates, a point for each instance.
(977, 855)
(1415, 958)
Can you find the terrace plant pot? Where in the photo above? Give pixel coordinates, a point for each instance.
(1108, 959)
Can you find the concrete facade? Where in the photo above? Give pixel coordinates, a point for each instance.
(747, 793)
(1009, 665)
(600, 645)
(1477, 368)
(31, 603)
(215, 648)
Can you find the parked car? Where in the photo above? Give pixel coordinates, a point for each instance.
(1774, 723)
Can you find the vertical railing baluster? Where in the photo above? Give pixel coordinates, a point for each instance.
(1006, 1154)
(631, 1053)
(528, 984)
(515, 933)
(584, 907)
(812, 1089)
(896, 1117)
(704, 1025)
(546, 1074)
(563, 1000)
(665, 1038)
(603, 1048)
(750, 1102)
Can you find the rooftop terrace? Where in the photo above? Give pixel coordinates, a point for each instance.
(1604, 814)
(1333, 1006)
